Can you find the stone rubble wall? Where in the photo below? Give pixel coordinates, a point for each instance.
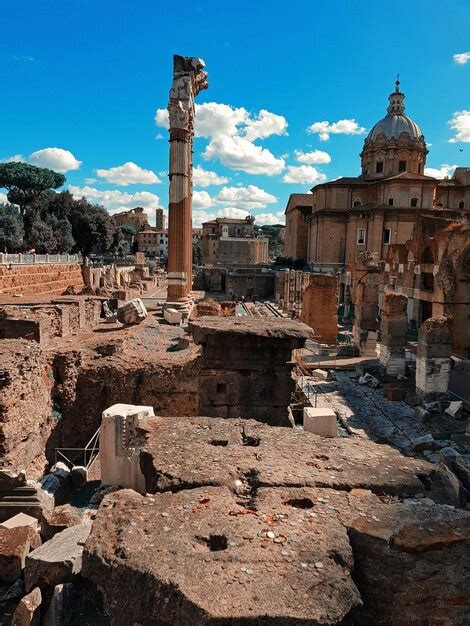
(40, 279)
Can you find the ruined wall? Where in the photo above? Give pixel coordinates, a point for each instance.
(246, 367)
(40, 279)
(26, 411)
(320, 307)
(86, 383)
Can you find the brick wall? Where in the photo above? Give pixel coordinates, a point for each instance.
(40, 279)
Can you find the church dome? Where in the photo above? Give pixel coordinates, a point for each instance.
(393, 125)
(395, 122)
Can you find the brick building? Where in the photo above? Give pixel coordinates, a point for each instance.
(381, 206)
(227, 241)
(299, 208)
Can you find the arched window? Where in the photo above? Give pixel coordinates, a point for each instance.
(461, 204)
(402, 166)
(379, 167)
(414, 201)
(357, 202)
(390, 202)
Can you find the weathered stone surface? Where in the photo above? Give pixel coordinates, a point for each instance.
(218, 562)
(28, 611)
(57, 560)
(246, 367)
(218, 327)
(62, 517)
(417, 554)
(20, 519)
(59, 611)
(191, 452)
(209, 555)
(132, 312)
(15, 544)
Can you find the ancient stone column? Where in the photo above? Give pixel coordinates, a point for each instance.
(433, 359)
(188, 80)
(320, 307)
(366, 310)
(393, 326)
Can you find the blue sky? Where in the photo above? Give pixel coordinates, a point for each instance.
(87, 76)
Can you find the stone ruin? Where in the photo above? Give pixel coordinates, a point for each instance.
(206, 504)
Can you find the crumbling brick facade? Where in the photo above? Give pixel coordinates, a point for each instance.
(320, 306)
(433, 358)
(393, 325)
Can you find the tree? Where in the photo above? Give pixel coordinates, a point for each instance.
(120, 244)
(42, 238)
(92, 227)
(62, 230)
(25, 182)
(11, 228)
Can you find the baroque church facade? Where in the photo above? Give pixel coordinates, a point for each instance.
(339, 221)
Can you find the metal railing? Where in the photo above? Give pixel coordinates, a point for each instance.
(31, 259)
(79, 456)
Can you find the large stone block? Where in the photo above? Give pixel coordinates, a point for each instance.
(132, 312)
(118, 457)
(320, 421)
(15, 545)
(58, 560)
(28, 611)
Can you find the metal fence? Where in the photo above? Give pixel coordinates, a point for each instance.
(30, 259)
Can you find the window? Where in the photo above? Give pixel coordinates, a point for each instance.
(387, 235)
(379, 167)
(357, 203)
(414, 201)
(361, 236)
(402, 166)
(390, 202)
(461, 204)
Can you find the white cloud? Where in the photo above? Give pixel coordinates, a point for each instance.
(238, 153)
(341, 127)
(206, 178)
(315, 157)
(128, 174)
(17, 158)
(90, 181)
(56, 159)
(270, 218)
(113, 199)
(460, 122)
(250, 197)
(231, 132)
(445, 171)
(202, 200)
(462, 57)
(265, 125)
(304, 175)
(3, 197)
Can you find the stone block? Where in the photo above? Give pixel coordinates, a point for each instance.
(455, 409)
(320, 421)
(21, 519)
(132, 312)
(62, 517)
(422, 414)
(119, 460)
(426, 442)
(28, 611)
(61, 610)
(58, 560)
(15, 545)
(172, 316)
(320, 374)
